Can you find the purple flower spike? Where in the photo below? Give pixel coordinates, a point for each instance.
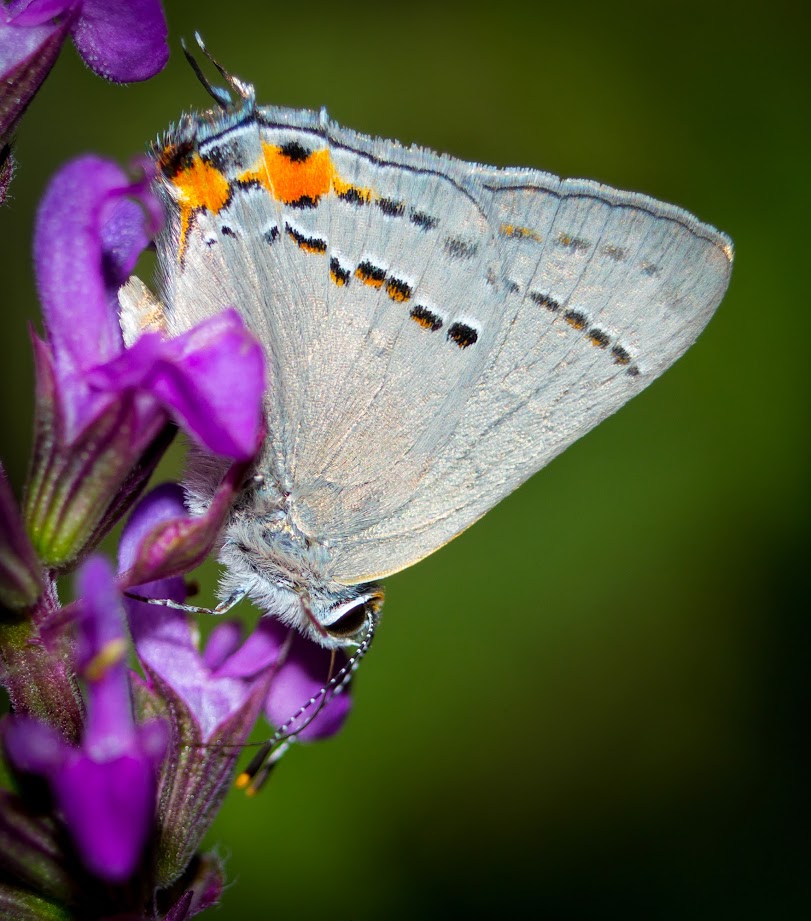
(105, 790)
(103, 409)
(211, 716)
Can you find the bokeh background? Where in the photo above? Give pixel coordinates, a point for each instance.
(578, 709)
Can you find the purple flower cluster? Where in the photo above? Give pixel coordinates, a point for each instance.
(124, 732)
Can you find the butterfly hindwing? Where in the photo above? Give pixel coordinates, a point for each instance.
(436, 331)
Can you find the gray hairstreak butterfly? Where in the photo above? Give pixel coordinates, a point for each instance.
(435, 331)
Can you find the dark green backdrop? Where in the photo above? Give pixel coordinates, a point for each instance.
(595, 703)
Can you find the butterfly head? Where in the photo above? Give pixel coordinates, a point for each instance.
(343, 618)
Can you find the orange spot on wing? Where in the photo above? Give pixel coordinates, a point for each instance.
(289, 180)
(200, 186)
(398, 290)
(346, 189)
(370, 275)
(372, 282)
(511, 230)
(425, 321)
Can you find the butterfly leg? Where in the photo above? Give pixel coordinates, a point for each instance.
(222, 608)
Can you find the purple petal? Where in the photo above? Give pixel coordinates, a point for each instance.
(211, 379)
(153, 740)
(162, 504)
(101, 654)
(34, 12)
(101, 622)
(164, 641)
(78, 263)
(123, 239)
(26, 57)
(261, 650)
(177, 545)
(34, 747)
(224, 640)
(122, 42)
(302, 676)
(109, 807)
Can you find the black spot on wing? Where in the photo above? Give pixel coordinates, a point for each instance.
(308, 244)
(422, 220)
(370, 274)
(426, 318)
(598, 338)
(220, 157)
(295, 152)
(398, 290)
(338, 273)
(250, 183)
(621, 357)
(462, 334)
(174, 158)
(460, 249)
(306, 201)
(617, 253)
(575, 244)
(545, 301)
(353, 196)
(575, 319)
(390, 208)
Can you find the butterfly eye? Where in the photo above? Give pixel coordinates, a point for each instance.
(349, 623)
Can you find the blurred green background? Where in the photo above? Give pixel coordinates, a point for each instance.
(578, 709)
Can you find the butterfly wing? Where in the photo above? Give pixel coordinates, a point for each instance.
(436, 331)
(604, 291)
